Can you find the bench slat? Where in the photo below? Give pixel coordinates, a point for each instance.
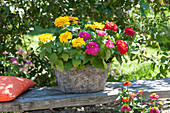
(51, 97)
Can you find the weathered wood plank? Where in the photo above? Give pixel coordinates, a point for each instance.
(51, 97)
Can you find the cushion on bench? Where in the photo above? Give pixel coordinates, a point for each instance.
(11, 87)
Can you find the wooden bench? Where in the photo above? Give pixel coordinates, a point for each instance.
(51, 97)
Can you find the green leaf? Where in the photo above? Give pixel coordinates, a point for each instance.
(60, 65)
(60, 49)
(65, 56)
(105, 65)
(145, 6)
(119, 59)
(48, 47)
(76, 63)
(87, 58)
(108, 54)
(68, 65)
(97, 63)
(161, 69)
(53, 58)
(42, 54)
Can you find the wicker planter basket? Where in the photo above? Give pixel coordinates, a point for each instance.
(83, 81)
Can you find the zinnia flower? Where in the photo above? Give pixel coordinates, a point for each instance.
(111, 26)
(101, 33)
(125, 99)
(129, 31)
(13, 59)
(85, 35)
(140, 91)
(154, 110)
(78, 42)
(92, 48)
(73, 19)
(122, 46)
(28, 62)
(110, 44)
(46, 37)
(5, 53)
(125, 107)
(18, 53)
(127, 83)
(61, 21)
(65, 36)
(160, 103)
(15, 62)
(154, 96)
(133, 95)
(98, 25)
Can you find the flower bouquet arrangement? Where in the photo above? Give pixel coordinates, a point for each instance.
(75, 43)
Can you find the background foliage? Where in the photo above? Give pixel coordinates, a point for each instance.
(149, 18)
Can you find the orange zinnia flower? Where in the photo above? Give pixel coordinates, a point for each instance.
(126, 83)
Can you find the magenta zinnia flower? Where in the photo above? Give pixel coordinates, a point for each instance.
(154, 96)
(15, 62)
(28, 62)
(133, 95)
(92, 48)
(101, 33)
(13, 59)
(5, 53)
(110, 44)
(154, 110)
(85, 35)
(125, 107)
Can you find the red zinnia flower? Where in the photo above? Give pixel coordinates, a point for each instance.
(125, 99)
(126, 83)
(122, 46)
(129, 31)
(111, 26)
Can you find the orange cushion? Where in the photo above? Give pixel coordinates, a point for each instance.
(11, 87)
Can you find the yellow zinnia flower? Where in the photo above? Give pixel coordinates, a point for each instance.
(46, 37)
(98, 25)
(61, 21)
(78, 42)
(65, 36)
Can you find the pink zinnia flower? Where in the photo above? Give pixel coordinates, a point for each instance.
(154, 96)
(5, 53)
(84, 35)
(92, 48)
(28, 62)
(140, 91)
(154, 110)
(160, 103)
(125, 107)
(101, 33)
(13, 59)
(133, 95)
(110, 44)
(129, 31)
(15, 62)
